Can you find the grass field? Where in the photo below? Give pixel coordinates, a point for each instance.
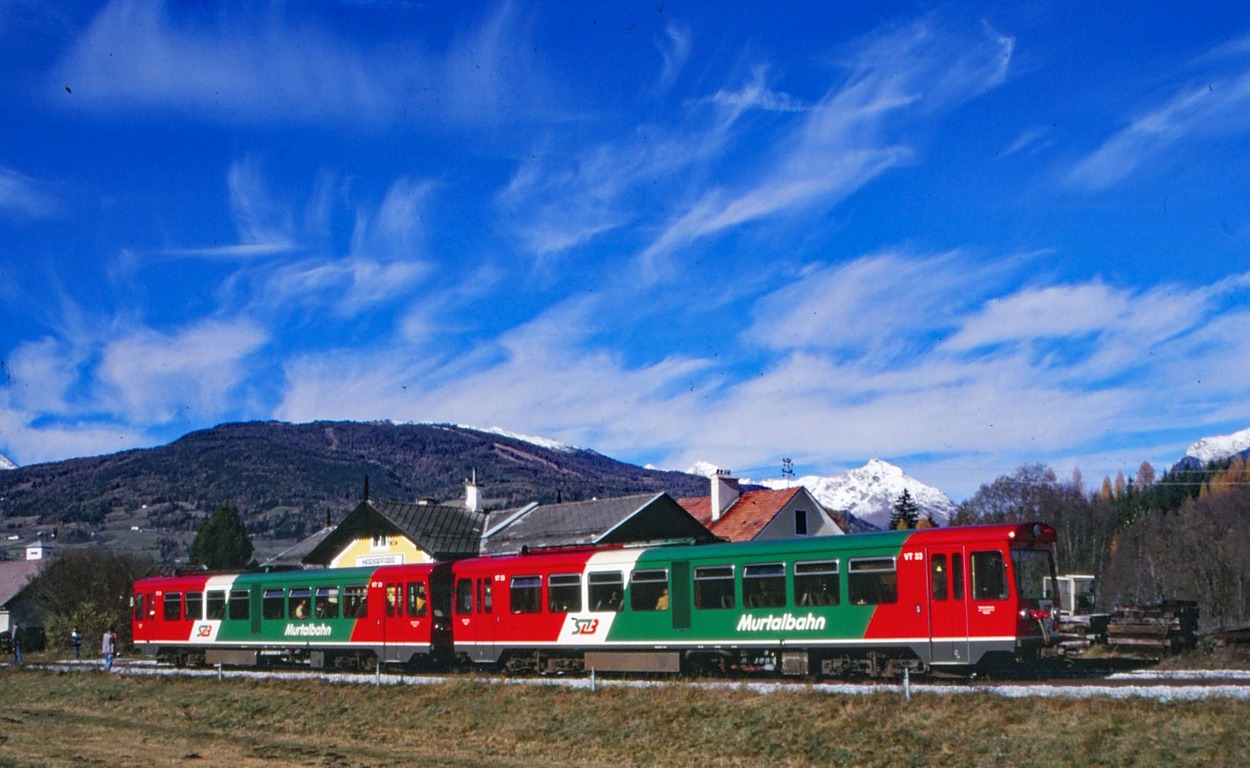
(92, 719)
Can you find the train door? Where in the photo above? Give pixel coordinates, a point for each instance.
(475, 617)
(948, 606)
(394, 622)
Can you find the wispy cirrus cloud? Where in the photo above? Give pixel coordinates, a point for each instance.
(1216, 104)
(267, 65)
(24, 197)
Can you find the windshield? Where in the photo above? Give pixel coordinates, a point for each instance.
(1033, 568)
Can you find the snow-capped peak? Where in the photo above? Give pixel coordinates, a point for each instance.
(541, 442)
(870, 492)
(1219, 447)
(5, 463)
(703, 469)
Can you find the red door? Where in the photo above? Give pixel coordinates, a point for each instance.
(948, 605)
(394, 623)
(474, 617)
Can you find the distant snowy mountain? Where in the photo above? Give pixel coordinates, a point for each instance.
(5, 463)
(868, 493)
(541, 442)
(1218, 448)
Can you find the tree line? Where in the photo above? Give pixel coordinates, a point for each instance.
(1181, 536)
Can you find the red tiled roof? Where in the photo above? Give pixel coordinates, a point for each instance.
(746, 517)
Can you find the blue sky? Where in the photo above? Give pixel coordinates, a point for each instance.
(957, 237)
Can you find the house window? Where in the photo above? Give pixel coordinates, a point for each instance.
(800, 522)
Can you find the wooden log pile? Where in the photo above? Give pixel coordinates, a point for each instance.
(1077, 633)
(1153, 631)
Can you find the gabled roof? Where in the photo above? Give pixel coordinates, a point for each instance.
(15, 575)
(446, 532)
(750, 513)
(294, 557)
(623, 520)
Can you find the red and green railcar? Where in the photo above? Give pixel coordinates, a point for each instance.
(875, 603)
(333, 617)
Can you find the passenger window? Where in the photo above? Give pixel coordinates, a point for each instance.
(817, 583)
(606, 590)
(393, 597)
(326, 603)
(140, 600)
(216, 605)
(464, 596)
(526, 594)
(938, 573)
(714, 586)
(272, 604)
(764, 585)
(240, 605)
(299, 603)
(195, 606)
(417, 603)
(872, 581)
(172, 610)
(355, 601)
(957, 575)
(484, 597)
(989, 577)
(564, 593)
(648, 590)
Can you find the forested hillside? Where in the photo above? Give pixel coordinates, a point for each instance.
(286, 478)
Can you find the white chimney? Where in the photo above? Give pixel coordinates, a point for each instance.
(724, 492)
(473, 494)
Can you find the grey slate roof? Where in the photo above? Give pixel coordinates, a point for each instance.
(293, 557)
(15, 575)
(627, 519)
(446, 532)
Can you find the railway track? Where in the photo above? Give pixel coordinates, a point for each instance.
(1170, 686)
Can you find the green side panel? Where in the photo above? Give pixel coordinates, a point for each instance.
(686, 624)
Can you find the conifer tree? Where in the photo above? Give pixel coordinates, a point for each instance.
(906, 512)
(222, 543)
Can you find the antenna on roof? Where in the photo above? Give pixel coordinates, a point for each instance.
(787, 470)
(366, 488)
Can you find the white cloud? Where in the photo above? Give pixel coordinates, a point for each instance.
(271, 65)
(25, 197)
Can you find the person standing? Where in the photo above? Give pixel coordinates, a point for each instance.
(108, 646)
(16, 631)
(76, 638)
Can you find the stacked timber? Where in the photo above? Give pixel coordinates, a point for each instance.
(1153, 631)
(1076, 633)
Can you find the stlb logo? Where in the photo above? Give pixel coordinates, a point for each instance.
(585, 626)
(205, 630)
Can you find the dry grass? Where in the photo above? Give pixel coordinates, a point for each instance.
(90, 719)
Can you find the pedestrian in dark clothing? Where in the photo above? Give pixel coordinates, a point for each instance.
(16, 631)
(76, 638)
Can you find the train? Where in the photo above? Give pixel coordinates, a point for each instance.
(877, 604)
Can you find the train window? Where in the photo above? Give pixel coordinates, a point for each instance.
(872, 581)
(957, 575)
(1032, 567)
(172, 610)
(417, 602)
(240, 605)
(195, 606)
(937, 568)
(605, 590)
(393, 596)
(216, 605)
(140, 600)
(648, 590)
(989, 576)
(564, 592)
(354, 603)
(298, 603)
(326, 603)
(714, 586)
(464, 596)
(484, 597)
(273, 604)
(817, 583)
(764, 585)
(526, 594)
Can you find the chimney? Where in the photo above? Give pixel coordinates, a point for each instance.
(473, 494)
(724, 492)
